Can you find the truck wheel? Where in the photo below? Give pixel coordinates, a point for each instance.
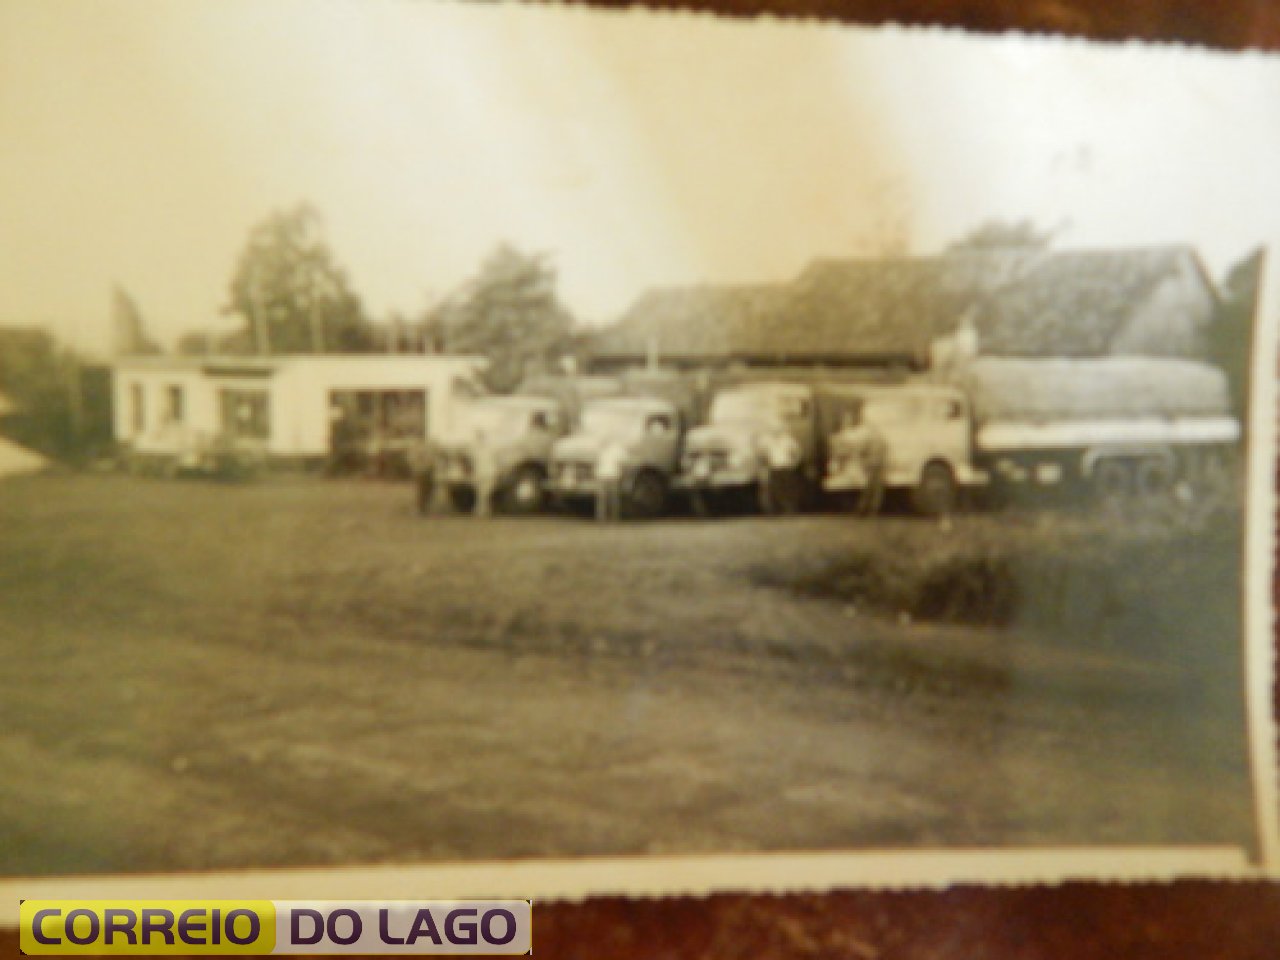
(463, 499)
(648, 495)
(1153, 478)
(1112, 480)
(936, 494)
(524, 495)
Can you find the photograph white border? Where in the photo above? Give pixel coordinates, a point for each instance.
(889, 869)
(663, 876)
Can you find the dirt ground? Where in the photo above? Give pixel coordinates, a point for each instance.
(203, 675)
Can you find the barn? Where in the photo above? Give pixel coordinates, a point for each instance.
(1046, 303)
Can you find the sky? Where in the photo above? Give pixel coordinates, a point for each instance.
(140, 141)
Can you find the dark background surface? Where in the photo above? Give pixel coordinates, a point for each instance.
(1231, 921)
(1226, 24)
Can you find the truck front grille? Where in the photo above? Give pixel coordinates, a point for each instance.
(577, 472)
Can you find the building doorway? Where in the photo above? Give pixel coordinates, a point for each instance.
(372, 432)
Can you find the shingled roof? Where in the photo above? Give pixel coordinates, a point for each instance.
(1060, 303)
(699, 321)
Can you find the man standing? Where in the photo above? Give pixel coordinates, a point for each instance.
(780, 478)
(866, 447)
(609, 482)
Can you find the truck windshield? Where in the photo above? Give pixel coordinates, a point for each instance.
(887, 411)
(755, 405)
(612, 421)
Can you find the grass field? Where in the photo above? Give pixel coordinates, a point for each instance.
(302, 672)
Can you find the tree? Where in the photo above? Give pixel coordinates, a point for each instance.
(60, 404)
(1016, 235)
(131, 337)
(509, 313)
(291, 294)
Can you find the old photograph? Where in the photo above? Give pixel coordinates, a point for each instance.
(440, 434)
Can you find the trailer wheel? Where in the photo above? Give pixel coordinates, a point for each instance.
(1153, 478)
(1112, 480)
(936, 494)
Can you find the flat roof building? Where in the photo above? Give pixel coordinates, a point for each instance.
(295, 407)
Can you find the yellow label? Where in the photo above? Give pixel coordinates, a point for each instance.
(147, 927)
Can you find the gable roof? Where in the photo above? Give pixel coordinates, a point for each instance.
(1077, 303)
(1056, 303)
(699, 321)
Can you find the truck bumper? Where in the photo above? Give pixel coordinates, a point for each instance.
(855, 482)
(573, 489)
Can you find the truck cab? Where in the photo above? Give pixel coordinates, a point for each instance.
(649, 428)
(928, 435)
(722, 459)
(519, 433)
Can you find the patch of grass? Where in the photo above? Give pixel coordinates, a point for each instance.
(1071, 575)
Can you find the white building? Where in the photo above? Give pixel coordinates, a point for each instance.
(292, 405)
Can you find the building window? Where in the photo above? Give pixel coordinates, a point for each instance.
(138, 407)
(244, 413)
(173, 412)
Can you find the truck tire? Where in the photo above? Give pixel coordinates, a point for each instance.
(463, 499)
(936, 494)
(524, 495)
(648, 496)
(1112, 480)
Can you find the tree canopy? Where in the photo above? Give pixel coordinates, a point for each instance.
(509, 313)
(128, 327)
(291, 294)
(61, 406)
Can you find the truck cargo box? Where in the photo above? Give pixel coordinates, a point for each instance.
(1112, 388)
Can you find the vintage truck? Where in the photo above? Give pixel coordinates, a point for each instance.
(519, 431)
(929, 452)
(721, 464)
(1119, 427)
(649, 428)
